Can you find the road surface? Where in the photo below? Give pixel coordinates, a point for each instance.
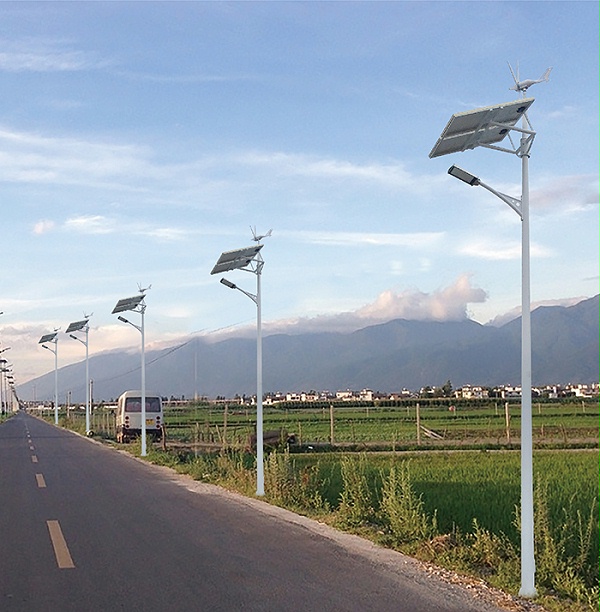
(86, 528)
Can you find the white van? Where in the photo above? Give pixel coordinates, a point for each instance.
(129, 416)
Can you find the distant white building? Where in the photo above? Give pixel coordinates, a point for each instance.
(469, 392)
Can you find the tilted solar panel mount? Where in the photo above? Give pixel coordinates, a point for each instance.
(483, 127)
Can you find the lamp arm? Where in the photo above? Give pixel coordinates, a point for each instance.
(514, 203)
(253, 297)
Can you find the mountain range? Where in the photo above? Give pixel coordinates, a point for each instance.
(386, 357)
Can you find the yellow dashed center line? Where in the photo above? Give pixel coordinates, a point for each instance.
(41, 483)
(61, 550)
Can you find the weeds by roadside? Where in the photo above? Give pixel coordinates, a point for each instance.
(392, 514)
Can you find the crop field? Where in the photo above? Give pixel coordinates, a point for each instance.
(483, 485)
(415, 424)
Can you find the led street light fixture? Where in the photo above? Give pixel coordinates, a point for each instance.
(464, 176)
(227, 283)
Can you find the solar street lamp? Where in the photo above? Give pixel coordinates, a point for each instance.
(487, 127)
(9, 383)
(5, 380)
(3, 370)
(250, 260)
(136, 304)
(53, 337)
(84, 327)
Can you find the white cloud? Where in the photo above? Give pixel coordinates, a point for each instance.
(29, 157)
(102, 225)
(516, 311)
(44, 55)
(90, 224)
(333, 238)
(165, 233)
(486, 249)
(566, 194)
(44, 226)
(447, 304)
(390, 174)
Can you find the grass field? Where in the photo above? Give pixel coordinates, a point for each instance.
(564, 423)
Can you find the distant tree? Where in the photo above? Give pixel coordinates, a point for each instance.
(447, 389)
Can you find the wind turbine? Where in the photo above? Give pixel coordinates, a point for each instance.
(523, 86)
(259, 238)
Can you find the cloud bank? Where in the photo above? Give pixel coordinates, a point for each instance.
(447, 304)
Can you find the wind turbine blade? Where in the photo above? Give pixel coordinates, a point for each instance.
(513, 74)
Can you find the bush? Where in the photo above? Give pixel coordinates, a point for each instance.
(571, 574)
(356, 501)
(401, 509)
(286, 486)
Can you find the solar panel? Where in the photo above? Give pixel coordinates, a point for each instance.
(47, 338)
(236, 259)
(76, 326)
(129, 303)
(482, 126)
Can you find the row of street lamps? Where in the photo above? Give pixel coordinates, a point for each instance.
(137, 304)
(7, 381)
(52, 338)
(485, 127)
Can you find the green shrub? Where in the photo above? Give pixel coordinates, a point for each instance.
(356, 501)
(286, 486)
(402, 510)
(572, 574)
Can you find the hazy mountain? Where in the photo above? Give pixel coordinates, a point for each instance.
(385, 357)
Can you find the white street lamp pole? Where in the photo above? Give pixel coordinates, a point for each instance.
(250, 260)
(3, 369)
(53, 337)
(56, 381)
(136, 304)
(55, 351)
(141, 328)
(260, 471)
(84, 326)
(527, 517)
(521, 207)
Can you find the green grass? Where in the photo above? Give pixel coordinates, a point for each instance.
(473, 423)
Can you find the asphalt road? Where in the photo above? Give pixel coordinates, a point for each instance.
(85, 528)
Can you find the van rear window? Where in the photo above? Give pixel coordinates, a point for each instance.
(134, 404)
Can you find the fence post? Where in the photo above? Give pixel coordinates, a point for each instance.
(331, 424)
(225, 425)
(507, 418)
(418, 424)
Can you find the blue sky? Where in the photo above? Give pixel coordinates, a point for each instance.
(139, 140)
